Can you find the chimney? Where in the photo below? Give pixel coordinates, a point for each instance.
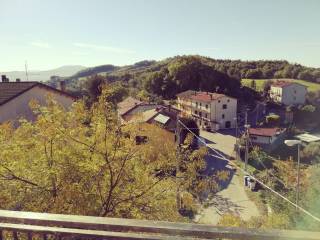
(62, 86)
(18, 80)
(4, 78)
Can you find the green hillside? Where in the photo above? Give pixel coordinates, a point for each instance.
(312, 87)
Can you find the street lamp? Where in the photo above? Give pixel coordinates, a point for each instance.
(292, 143)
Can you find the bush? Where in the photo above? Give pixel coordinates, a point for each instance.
(308, 108)
(273, 120)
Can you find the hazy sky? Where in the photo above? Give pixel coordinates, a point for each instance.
(53, 33)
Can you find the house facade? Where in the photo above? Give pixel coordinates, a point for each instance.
(288, 93)
(210, 110)
(16, 96)
(267, 138)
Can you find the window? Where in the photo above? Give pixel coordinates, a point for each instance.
(200, 114)
(206, 106)
(224, 106)
(196, 112)
(295, 91)
(219, 101)
(200, 104)
(228, 100)
(222, 116)
(206, 115)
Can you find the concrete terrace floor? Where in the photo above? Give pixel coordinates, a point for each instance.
(232, 197)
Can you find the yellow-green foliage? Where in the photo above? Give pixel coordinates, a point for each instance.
(83, 161)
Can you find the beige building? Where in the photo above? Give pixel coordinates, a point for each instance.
(15, 98)
(288, 93)
(210, 110)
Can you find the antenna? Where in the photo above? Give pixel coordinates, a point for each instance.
(26, 68)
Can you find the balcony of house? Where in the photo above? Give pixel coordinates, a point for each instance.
(30, 225)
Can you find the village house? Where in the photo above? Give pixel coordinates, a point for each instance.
(16, 96)
(288, 92)
(267, 138)
(132, 110)
(211, 111)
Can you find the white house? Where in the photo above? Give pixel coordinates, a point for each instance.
(288, 93)
(15, 98)
(210, 110)
(267, 138)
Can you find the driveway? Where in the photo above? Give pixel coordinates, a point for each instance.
(231, 196)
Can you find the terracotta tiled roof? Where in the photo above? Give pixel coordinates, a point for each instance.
(127, 104)
(206, 97)
(10, 90)
(200, 96)
(281, 84)
(267, 132)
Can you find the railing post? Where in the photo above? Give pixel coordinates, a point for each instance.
(57, 236)
(15, 235)
(29, 236)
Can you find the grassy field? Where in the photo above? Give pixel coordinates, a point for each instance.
(312, 87)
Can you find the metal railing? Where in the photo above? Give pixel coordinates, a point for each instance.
(31, 225)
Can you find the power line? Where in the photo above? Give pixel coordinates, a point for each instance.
(247, 173)
(250, 142)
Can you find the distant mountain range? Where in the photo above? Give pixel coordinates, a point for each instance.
(64, 71)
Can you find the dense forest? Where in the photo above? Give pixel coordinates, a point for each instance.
(167, 77)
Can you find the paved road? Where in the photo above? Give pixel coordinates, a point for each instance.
(224, 143)
(231, 197)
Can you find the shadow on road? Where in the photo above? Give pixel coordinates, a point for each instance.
(225, 205)
(215, 165)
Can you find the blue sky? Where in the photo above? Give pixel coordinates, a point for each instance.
(50, 34)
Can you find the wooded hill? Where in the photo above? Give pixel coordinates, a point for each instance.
(167, 77)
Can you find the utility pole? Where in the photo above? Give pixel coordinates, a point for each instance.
(292, 143)
(178, 134)
(246, 156)
(257, 113)
(298, 178)
(26, 68)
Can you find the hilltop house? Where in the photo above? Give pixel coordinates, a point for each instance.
(15, 98)
(210, 110)
(288, 92)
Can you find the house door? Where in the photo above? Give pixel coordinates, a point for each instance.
(228, 124)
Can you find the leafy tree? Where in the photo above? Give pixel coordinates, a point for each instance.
(310, 201)
(311, 153)
(83, 161)
(259, 159)
(94, 86)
